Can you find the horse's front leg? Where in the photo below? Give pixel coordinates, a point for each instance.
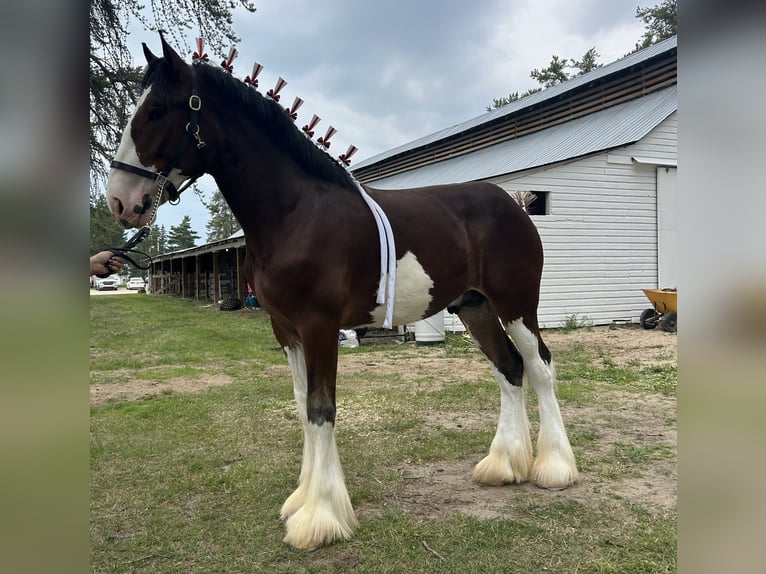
(319, 511)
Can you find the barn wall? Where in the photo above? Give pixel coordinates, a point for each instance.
(600, 235)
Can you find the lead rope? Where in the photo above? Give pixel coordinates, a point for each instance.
(139, 236)
(386, 292)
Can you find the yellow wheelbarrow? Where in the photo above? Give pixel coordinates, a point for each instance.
(664, 311)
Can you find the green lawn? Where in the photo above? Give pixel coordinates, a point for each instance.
(193, 481)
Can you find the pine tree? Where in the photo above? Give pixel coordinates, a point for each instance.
(554, 74)
(182, 236)
(157, 242)
(222, 222)
(512, 97)
(104, 229)
(588, 62)
(661, 22)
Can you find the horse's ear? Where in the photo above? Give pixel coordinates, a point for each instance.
(150, 57)
(170, 55)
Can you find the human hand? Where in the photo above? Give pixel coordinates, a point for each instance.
(105, 263)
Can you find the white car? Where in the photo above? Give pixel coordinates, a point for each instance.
(107, 283)
(136, 283)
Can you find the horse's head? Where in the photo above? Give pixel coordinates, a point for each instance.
(161, 146)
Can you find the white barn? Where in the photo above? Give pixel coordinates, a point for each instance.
(599, 152)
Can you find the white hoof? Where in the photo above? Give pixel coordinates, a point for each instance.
(312, 527)
(498, 468)
(555, 470)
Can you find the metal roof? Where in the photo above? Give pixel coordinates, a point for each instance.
(528, 101)
(236, 239)
(606, 129)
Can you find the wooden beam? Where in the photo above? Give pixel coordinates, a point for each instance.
(196, 276)
(216, 278)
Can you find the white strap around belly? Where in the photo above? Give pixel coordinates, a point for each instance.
(387, 257)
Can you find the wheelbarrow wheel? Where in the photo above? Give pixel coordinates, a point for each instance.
(669, 322)
(648, 318)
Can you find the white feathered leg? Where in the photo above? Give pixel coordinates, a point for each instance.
(554, 467)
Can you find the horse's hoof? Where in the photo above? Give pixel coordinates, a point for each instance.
(555, 488)
(310, 550)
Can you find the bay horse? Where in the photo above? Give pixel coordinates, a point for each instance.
(312, 250)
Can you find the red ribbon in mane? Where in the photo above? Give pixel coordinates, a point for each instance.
(274, 92)
(227, 63)
(346, 157)
(309, 128)
(292, 111)
(200, 53)
(325, 141)
(253, 78)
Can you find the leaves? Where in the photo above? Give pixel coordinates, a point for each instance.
(661, 22)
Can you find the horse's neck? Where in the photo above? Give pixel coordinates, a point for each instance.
(262, 185)
(260, 179)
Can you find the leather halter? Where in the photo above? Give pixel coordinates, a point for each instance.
(162, 177)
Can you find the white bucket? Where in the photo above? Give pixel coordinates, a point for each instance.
(452, 323)
(430, 331)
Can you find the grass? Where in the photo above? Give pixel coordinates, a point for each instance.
(194, 482)
(573, 322)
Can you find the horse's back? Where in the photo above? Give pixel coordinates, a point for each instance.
(472, 215)
(468, 236)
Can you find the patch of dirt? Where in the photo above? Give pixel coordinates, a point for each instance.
(411, 365)
(623, 345)
(626, 424)
(436, 491)
(135, 389)
(627, 428)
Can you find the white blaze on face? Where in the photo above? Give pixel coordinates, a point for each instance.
(413, 292)
(130, 188)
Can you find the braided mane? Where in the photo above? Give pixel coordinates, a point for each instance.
(271, 117)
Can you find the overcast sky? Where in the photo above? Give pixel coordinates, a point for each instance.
(385, 73)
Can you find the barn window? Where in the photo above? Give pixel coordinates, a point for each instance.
(533, 202)
(540, 205)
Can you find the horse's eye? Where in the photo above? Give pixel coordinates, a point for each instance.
(156, 113)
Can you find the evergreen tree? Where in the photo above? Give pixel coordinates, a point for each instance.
(104, 229)
(157, 242)
(554, 74)
(222, 222)
(660, 22)
(182, 236)
(588, 62)
(512, 97)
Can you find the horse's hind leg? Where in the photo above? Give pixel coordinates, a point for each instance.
(510, 454)
(554, 466)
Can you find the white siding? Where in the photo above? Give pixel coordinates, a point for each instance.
(600, 236)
